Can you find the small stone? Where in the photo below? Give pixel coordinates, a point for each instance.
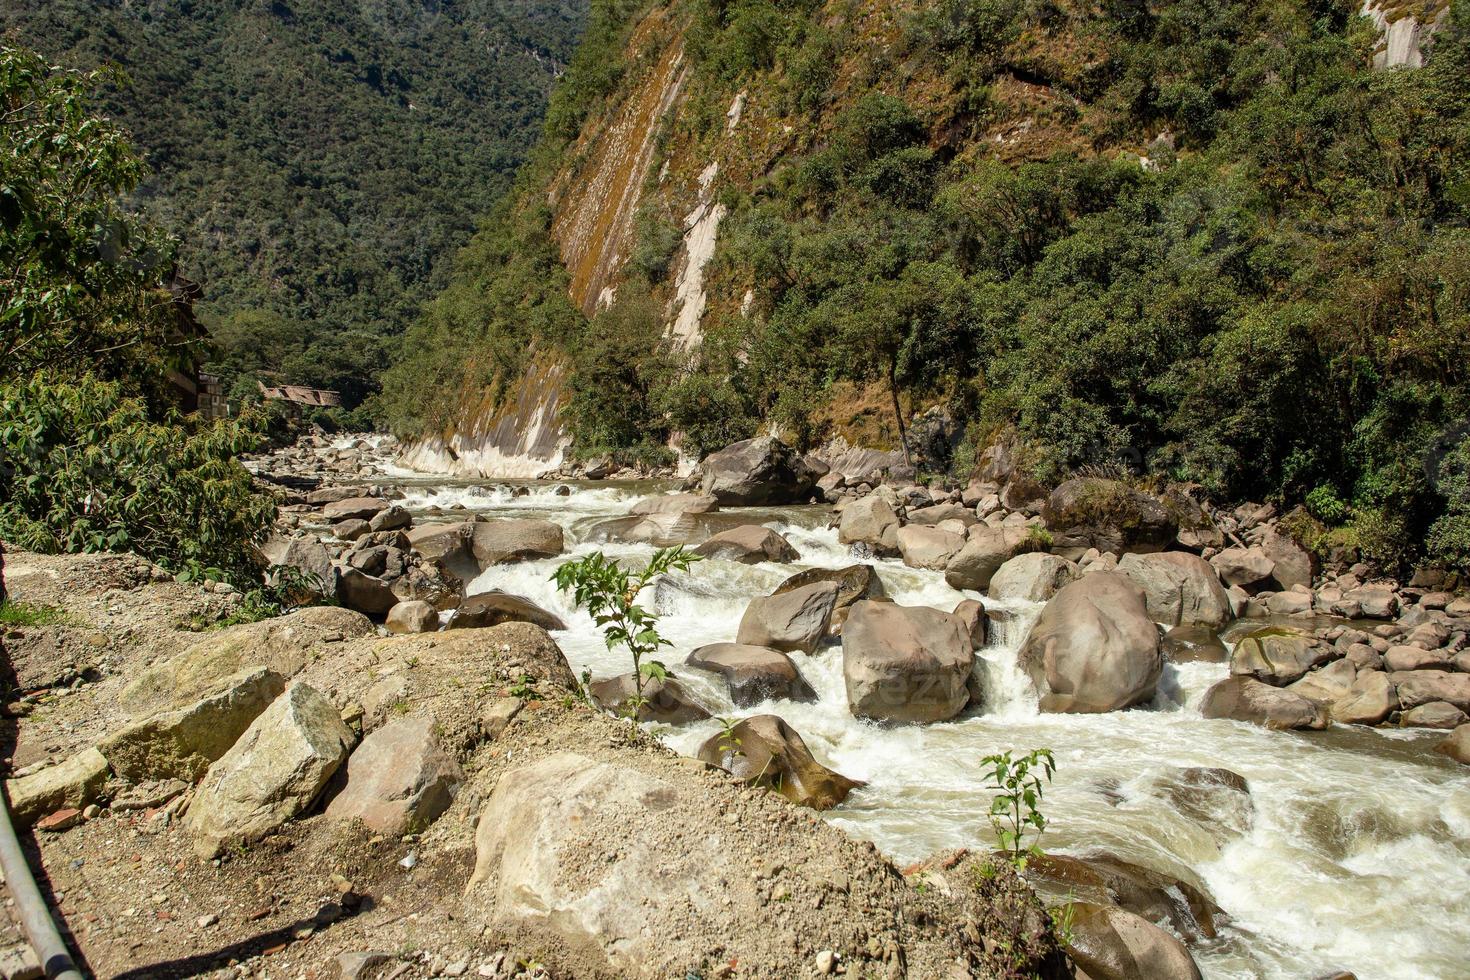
(457, 969)
(826, 962)
(90, 811)
(205, 921)
(409, 862)
(59, 820)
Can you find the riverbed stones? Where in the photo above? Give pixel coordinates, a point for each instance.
(181, 744)
(1179, 589)
(413, 616)
(765, 751)
(1111, 943)
(1369, 700)
(905, 664)
(870, 521)
(495, 607)
(1326, 685)
(666, 701)
(760, 472)
(753, 674)
(69, 785)
(1032, 577)
(1457, 746)
(1375, 601)
(447, 545)
(1244, 698)
(271, 774)
(1094, 647)
(1291, 564)
(928, 547)
(306, 554)
(1278, 656)
(395, 518)
(364, 592)
(399, 780)
(1416, 687)
(749, 544)
(789, 621)
(987, 549)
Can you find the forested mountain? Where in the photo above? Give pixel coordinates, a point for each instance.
(319, 159)
(1221, 241)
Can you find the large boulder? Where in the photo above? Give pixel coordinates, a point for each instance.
(665, 701)
(181, 744)
(1279, 656)
(305, 554)
(905, 664)
(413, 616)
(448, 546)
(759, 472)
(749, 544)
(1091, 512)
(870, 521)
(498, 542)
(987, 549)
(1094, 647)
(1107, 879)
(1111, 943)
(1291, 564)
(273, 773)
(1416, 687)
(364, 593)
(664, 529)
(854, 582)
(399, 780)
(280, 644)
(928, 547)
(935, 513)
(1457, 746)
(1179, 589)
(765, 751)
(753, 674)
(1248, 568)
(788, 621)
(1369, 700)
(1032, 577)
(676, 503)
(496, 607)
(354, 508)
(1247, 699)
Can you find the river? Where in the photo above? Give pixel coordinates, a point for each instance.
(1357, 857)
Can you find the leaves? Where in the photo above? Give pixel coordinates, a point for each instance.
(1017, 803)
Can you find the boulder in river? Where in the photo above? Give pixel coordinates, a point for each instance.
(1278, 656)
(664, 529)
(1032, 577)
(971, 614)
(1416, 687)
(788, 621)
(1369, 700)
(1107, 879)
(1435, 714)
(354, 508)
(854, 582)
(1111, 943)
(1179, 589)
(1457, 746)
(495, 607)
(676, 503)
(909, 664)
(1094, 647)
(870, 521)
(1247, 699)
(666, 701)
(753, 674)
(759, 472)
(928, 547)
(763, 750)
(1291, 564)
(986, 550)
(413, 616)
(1219, 800)
(500, 541)
(273, 772)
(1248, 568)
(749, 544)
(1091, 512)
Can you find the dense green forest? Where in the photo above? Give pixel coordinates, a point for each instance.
(319, 161)
(1243, 261)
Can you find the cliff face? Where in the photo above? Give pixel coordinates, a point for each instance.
(681, 136)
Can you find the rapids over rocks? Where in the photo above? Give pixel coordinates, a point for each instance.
(1354, 853)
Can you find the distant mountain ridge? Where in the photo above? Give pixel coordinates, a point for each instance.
(321, 161)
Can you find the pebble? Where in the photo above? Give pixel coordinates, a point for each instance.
(205, 921)
(409, 862)
(826, 962)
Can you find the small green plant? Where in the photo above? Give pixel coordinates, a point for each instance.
(610, 594)
(525, 689)
(30, 614)
(1063, 917)
(729, 741)
(1017, 804)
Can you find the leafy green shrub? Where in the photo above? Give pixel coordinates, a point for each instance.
(1325, 505)
(87, 469)
(610, 594)
(1015, 809)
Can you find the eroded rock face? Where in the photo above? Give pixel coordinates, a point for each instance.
(1033, 577)
(759, 472)
(1247, 699)
(750, 544)
(181, 744)
(1179, 589)
(905, 664)
(789, 621)
(271, 774)
(399, 780)
(753, 674)
(1094, 647)
(493, 608)
(765, 751)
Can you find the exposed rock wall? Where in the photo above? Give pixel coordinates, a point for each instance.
(1407, 30)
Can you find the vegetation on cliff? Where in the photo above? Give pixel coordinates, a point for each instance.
(318, 161)
(1205, 240)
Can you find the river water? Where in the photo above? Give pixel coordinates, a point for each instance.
(1357, 857)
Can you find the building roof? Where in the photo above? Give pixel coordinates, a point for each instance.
(301, 395)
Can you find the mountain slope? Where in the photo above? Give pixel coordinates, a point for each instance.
(320, 161)
(1216, 242)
